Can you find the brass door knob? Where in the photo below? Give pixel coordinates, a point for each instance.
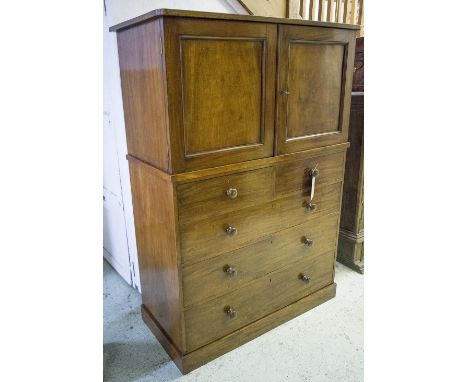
(308, 242)
(232, 193)
(230, 312)
(311, 206)
(304, 278)
(230, 271)
(231, 231)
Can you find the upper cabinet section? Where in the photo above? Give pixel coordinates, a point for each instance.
(314, 87)
(201, 91)
(221, 87)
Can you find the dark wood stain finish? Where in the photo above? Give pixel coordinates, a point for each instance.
(209, 197)
(220, 88)
(154, 210)
(192, 360)
(351, 240)
(256, 300)
(215, 71)
(158, 13)
(230, 244)
(142, 77)
(315, 70)
(209, 237)
(358, 79)
(207, 279)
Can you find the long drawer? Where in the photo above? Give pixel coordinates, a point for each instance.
(211, 320)
(220, 275)
(198, 200)
(231, 231)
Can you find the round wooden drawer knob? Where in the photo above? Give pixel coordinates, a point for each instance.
(232, 193)
(230, 271)
(311, 206)
(314, 173)
(304, 278)
(230, 312)
(308, 242)
(231, 231)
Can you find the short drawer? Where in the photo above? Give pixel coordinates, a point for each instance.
(294, 176)
(198, 200)
(223, 274)
(224, 233)
(211, 320)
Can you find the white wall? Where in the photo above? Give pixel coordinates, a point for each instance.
(119, 230)
(122, 10)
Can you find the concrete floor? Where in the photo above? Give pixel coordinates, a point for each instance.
(324, 344)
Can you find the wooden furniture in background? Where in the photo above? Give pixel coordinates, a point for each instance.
(338, 11)
(236, 196)
(351, 239)
(358, 78)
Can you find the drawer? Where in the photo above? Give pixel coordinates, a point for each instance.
(294, 177)
(209, 238)
(201, 199)
(208, 321)
(223, 274)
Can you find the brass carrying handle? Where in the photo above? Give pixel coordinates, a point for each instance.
(230, 312)
(232, 193)
(304, 278)
(308, 241)
(230, 271)
(314, 173)
(231, 231)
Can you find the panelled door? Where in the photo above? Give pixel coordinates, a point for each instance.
(221, 91)
(315, 69)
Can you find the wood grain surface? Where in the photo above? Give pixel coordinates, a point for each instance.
(155, 228)
(225, 117)
(142, 78)
(208, 279)
(166, 13)
(294, 177)
(315, 71)
(222, 93)
(220, 89)
(208, 238)
(256, 300)
(205, 198)
(190, 361)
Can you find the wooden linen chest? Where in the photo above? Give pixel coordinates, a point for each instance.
(237, 131)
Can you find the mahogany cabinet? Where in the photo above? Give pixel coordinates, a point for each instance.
(237, 136)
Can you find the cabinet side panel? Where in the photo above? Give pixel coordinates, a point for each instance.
(143, 91)
(155, 227)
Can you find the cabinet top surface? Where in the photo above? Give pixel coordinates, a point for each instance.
(225, 16)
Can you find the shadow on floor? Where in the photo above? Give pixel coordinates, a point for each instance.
(322, 345)
(132, 361)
